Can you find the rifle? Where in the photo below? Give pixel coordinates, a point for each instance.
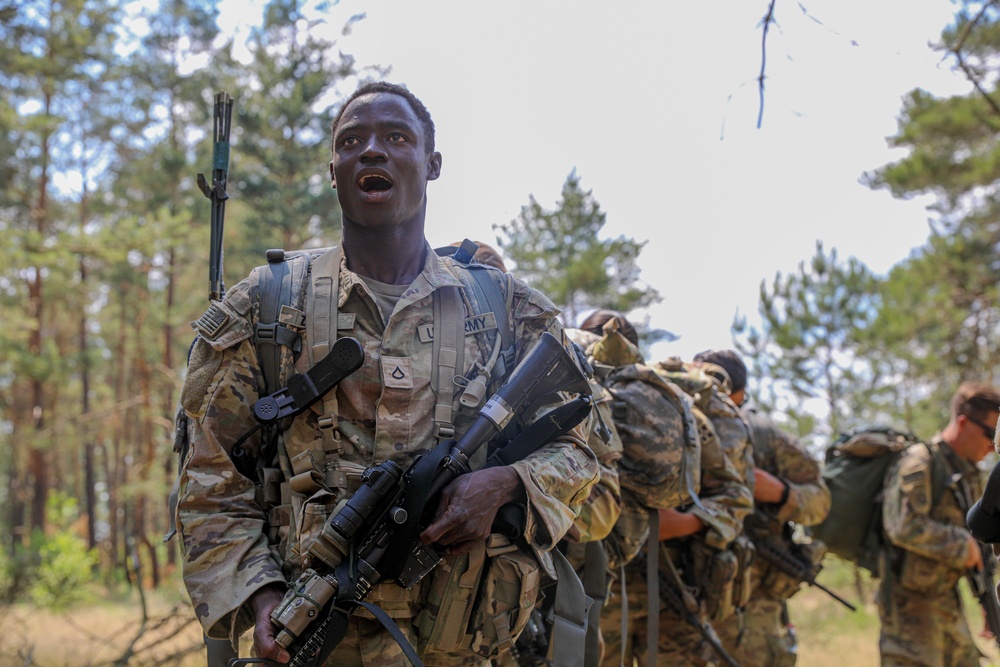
(683, 602)
(219, 652)
(762, 530)
(374, 536)
(532, 646)
(983, 584)
(222, 121)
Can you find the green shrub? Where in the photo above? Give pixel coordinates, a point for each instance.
(61, 566)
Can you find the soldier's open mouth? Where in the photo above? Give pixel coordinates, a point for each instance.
(374, 183)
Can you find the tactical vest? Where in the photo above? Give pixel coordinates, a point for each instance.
(281, 292)
(292, 284)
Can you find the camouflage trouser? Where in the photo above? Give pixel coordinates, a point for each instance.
(368, 644)
(761, 636)
(678, 643)
(929, 631)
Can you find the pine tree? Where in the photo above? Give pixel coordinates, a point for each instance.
(561, 253)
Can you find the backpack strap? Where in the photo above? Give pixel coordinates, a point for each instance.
(939, 475)
(279, 291)
(570, 614)
(321, 303)
(483, 284)
(652, 588)
(595, 585)
(447, 355)
(321, 329)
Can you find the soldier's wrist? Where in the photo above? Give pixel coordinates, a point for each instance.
(786, 490)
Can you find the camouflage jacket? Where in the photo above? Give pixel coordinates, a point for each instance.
(931, 537)
(384, 411)
(778, 453)
(600, 512)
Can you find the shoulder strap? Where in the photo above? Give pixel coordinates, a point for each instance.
(940, 479)
(321, 330)
(570, 615)
(280, 294)
(446, 352)
(487, 294)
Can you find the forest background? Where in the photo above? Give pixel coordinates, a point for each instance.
(104, 123)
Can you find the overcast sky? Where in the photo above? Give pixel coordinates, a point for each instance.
(655, 105)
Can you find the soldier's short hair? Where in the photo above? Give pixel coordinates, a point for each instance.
(423, 115)
(731, 362)
(976, 400)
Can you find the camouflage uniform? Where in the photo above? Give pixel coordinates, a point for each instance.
(600, 512)
(726, 500)
(919, 605)
(764, 638)
(234, 543)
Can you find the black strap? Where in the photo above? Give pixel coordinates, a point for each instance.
(397, 634)
(487, 293)
(274, 289)
(419, 489)
(339, 618)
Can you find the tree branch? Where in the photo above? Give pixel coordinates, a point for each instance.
(970, 74)
(768, 20)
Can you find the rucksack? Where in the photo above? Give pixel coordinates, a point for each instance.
(660, 475)
(854, 470)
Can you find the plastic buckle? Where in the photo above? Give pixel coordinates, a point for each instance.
(444, 431)
(267, 333)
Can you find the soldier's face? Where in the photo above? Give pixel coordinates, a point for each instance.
(980, 436)
(381, 165)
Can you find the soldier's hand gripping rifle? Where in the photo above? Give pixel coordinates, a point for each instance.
(984, 587)
(374, 536)
(773, 543)
(216, 192)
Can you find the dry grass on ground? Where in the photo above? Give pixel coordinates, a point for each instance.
(100, 634)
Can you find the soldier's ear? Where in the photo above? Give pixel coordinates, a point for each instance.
(333, 178)
(433, 166)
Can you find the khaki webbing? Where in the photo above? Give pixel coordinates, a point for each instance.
(569, 615)
(447, 354)
(321, 331)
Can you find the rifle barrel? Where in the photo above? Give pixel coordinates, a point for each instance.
(833, 595)
(794, 567)
(216, 192)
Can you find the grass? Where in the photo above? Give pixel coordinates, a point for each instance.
(99, 633)
(831, 635)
